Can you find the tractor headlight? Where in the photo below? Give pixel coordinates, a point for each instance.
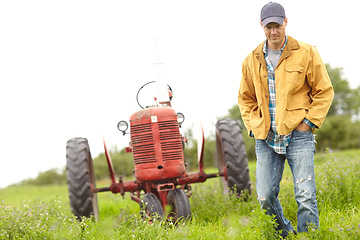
(122, 126)
(180, 118)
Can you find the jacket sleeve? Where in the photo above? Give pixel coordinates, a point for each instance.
(246, 98)
(322, 92)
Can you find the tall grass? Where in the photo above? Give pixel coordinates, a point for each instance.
(29, 212)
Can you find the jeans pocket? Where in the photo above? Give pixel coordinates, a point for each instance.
(303, 138)
(307, 131)
(303, 134)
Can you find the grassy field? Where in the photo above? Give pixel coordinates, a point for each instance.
(32, 212)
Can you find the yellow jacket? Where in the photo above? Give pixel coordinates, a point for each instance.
(303, 89)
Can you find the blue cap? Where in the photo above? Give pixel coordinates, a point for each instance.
(272, 12)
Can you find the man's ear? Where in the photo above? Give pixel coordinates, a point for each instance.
(261, 24)
(285, 22)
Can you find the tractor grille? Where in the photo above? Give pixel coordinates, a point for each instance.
(170, 140)
(143, 142)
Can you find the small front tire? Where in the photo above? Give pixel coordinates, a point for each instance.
(151, 208)
(180, 206)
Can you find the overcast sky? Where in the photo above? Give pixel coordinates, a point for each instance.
(73, 68)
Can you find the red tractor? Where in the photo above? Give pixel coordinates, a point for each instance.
(159, 166)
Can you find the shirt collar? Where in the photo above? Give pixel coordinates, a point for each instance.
(282, 49)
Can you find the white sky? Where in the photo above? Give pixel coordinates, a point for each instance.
(72, 68)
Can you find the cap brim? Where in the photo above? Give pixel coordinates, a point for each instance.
(278, 20)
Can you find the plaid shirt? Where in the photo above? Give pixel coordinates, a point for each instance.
(275, 141)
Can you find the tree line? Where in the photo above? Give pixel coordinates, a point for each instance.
(340, 131)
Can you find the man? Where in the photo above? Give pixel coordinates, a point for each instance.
(285, 94)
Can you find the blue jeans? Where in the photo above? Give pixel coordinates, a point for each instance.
(269, 170)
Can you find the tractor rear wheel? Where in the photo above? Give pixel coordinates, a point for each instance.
(231, 156)
(81, 179)
(151, 208)
(180, 206)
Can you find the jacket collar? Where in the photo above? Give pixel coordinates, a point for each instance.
(292, 44)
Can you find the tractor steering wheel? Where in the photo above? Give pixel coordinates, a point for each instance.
(137, 95)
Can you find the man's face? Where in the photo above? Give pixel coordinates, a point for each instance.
(275, 34)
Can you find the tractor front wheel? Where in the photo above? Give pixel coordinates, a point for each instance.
(180, 206)
(231, 156)
(151, 208)
(81, 179)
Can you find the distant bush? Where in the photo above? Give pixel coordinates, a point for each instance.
(50, 177)
(338, 133)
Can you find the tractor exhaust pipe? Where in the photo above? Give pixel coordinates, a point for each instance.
(162, 87)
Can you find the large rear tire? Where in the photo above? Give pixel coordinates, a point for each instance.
(232, 157)
(81, 179)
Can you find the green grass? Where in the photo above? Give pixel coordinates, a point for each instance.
(32, 212)
(16, 195)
